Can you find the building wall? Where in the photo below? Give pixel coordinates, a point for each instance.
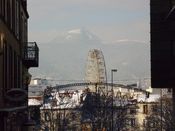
(10, 61)
(137, 114)
(13, 38)
(13, 34)
(143, 110)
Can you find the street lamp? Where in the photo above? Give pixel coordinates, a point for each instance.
(113, 70)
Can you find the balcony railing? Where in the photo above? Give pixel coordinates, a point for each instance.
(31, 55)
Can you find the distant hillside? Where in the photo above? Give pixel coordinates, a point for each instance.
(65, 57)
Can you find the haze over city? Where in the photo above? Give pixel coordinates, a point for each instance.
(70, 28)
(87, 65)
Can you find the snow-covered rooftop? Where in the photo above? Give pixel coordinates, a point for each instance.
(34, 102)
(64, 99)
(152, 98)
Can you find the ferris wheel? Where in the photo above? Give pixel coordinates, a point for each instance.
(95, 68)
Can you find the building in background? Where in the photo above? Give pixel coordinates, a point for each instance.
(17, 55)
(36, 91)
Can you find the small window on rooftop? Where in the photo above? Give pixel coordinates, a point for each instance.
(145, 109)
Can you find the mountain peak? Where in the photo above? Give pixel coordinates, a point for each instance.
(77, 35)
(75, 31)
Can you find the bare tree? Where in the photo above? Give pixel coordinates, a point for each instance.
(99, 111)
(161, 116)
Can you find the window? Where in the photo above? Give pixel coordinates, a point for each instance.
(1, 42)
(5, 10)
(10, 66)
(23, 31)
(155, 108)
(0, 7)
(5, 63)
(8, 12)
(22, 27)
(144, 122)
(132, 122)
(132, 111)
(145, 109)
(17, 19)
(15, 71)
(26, 29)
(13, 15)
(47, 116)
(11, 11)
(19, 72)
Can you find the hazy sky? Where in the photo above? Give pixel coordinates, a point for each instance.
(110, 20)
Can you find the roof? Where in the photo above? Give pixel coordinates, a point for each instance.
(64, 99)
(152, 98)
(32, 102)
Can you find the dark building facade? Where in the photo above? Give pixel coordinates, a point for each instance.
(17, 55)
(162, 43)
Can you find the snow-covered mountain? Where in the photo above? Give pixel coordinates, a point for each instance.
(65, 56)
(79, 35)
